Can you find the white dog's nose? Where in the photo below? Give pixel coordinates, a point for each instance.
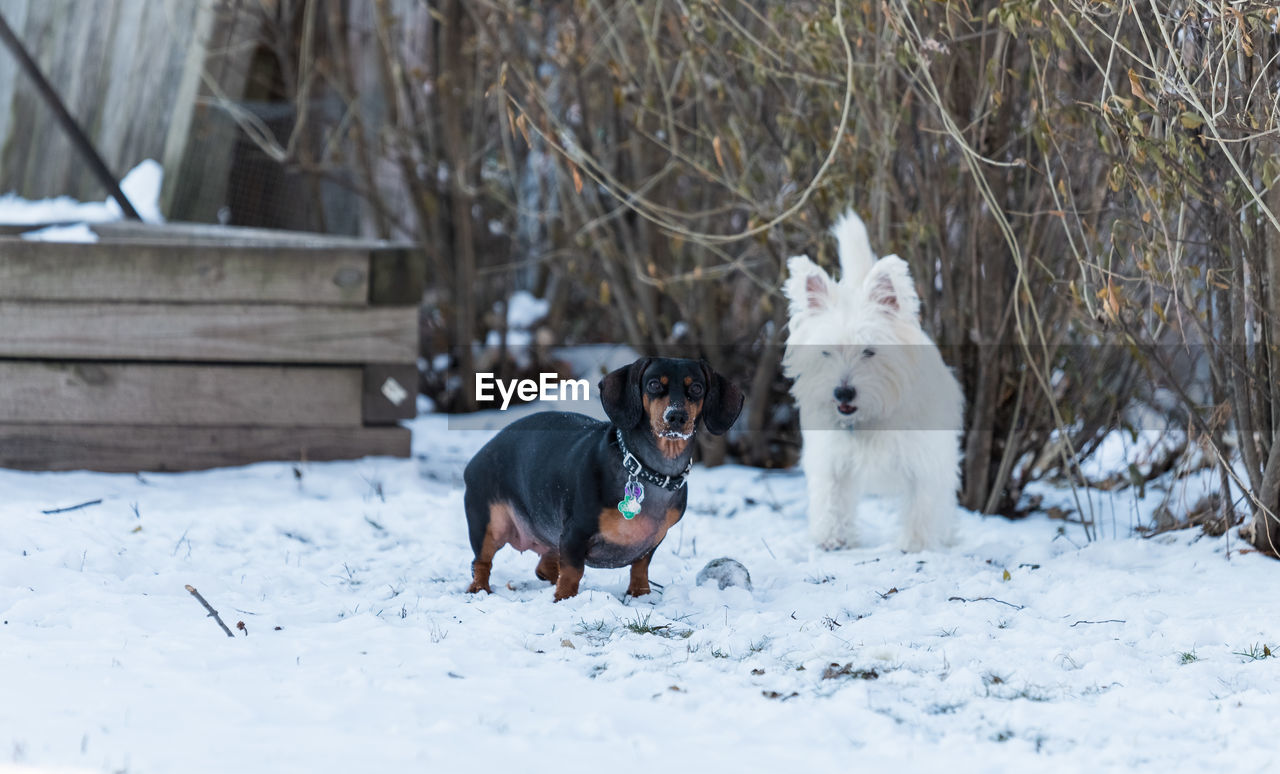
(845, 393)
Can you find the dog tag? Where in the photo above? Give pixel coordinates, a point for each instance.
(632, 497)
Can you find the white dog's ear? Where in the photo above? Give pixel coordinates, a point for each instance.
(889, 286)
(808, 287)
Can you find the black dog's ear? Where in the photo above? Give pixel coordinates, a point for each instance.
(620, 394)
(723, 403)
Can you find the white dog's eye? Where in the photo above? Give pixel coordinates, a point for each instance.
(868, 352)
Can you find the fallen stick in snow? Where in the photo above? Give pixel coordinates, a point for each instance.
(212, 613)
(72, 507)
(984, 599)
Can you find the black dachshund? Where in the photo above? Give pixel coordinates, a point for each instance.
(577, 491)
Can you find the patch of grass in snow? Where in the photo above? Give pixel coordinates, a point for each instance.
(595, 632)
(834, 671)
(1029, 692)
(1256, 652)
(349, 578)
(1097, 689)
(716, 651)
(641, 625)
(998, 687)
(1188, 657)
(375, 489)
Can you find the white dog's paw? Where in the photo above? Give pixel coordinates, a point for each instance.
(913, 544)
(831, 530)
(833, 544)
(932, 541)
(836, 539)
(826, 538)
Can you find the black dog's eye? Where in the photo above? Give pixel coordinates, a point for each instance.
(826, 353)
(653, 385)
(868, 352)
(695, 390)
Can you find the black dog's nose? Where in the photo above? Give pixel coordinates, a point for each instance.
(677, 417)
(845, 394)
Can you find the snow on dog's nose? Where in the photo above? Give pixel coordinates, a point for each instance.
(676, 418)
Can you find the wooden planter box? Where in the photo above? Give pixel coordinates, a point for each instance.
(182, 347)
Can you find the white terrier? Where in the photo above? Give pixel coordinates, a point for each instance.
(880, 413)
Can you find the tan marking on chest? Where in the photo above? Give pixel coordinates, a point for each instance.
(644, 530)
(632, 533)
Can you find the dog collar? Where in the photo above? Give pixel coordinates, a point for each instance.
(636, 469)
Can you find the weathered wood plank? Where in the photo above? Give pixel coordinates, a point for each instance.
(127, 449)
(89, 392)
(390, 393)
(177, 232)
(35, 271)
(397, 277)
(265, 333)
(13, 229)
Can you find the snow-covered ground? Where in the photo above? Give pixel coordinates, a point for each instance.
(1025, 648)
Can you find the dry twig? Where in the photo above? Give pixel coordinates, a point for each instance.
(70, 508)
(212, 613)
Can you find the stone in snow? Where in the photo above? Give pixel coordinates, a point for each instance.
(726, 572)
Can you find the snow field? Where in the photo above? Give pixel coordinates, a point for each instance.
(1119, 654)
